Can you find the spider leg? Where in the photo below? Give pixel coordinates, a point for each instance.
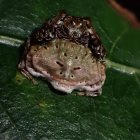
(24, 72)
(90, 93)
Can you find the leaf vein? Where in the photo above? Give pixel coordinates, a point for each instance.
(10, 41)
(118, 38)
(122, 68)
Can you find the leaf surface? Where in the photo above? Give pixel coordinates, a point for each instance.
(36, 112)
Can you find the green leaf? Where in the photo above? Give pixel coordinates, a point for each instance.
(35, 112)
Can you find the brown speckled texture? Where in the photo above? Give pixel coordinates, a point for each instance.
(67, 52)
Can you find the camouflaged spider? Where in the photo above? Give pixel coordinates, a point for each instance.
(67, 52)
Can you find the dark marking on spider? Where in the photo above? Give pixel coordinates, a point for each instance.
(76, 29)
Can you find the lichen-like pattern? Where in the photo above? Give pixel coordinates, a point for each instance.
(68, 53)
(75, 29)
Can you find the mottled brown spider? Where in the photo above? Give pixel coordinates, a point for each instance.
(68, 53)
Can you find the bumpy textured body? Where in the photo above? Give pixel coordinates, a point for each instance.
(67, 52)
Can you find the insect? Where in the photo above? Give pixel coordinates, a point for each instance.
(68, 53)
